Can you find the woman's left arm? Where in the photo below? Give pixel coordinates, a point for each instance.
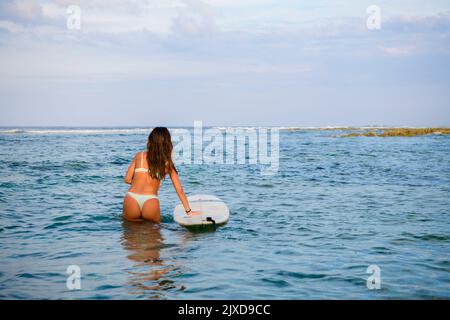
(130, 172)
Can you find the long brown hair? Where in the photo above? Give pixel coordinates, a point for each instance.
(159, 153)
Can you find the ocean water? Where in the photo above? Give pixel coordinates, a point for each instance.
(336, 206)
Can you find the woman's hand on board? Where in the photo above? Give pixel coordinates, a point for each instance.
(194, 213)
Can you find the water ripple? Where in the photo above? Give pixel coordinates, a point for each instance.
(335, 207)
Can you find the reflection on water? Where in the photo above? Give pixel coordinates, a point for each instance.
(150, 275)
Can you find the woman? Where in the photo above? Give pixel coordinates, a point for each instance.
(146, 173)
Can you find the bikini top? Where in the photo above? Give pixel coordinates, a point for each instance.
(141, 169)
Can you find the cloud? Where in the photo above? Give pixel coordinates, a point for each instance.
(439, 23)
(129, 6)
(26, 12)
(189, 41)
(397, 51)
(195, 18)
(198, 18)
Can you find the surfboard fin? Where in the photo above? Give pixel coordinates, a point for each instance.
(213, 222)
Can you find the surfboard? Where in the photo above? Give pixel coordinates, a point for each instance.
(215, 212)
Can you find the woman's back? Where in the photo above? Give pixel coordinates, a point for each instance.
(142, 182)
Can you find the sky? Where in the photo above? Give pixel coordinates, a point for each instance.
(224, 62)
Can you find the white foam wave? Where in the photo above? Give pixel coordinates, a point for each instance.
(95, 131)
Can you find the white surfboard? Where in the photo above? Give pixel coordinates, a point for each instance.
(215, 212)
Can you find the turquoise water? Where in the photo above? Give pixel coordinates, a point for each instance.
(336, 206)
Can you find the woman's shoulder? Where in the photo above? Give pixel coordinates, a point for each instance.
(138, 155)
